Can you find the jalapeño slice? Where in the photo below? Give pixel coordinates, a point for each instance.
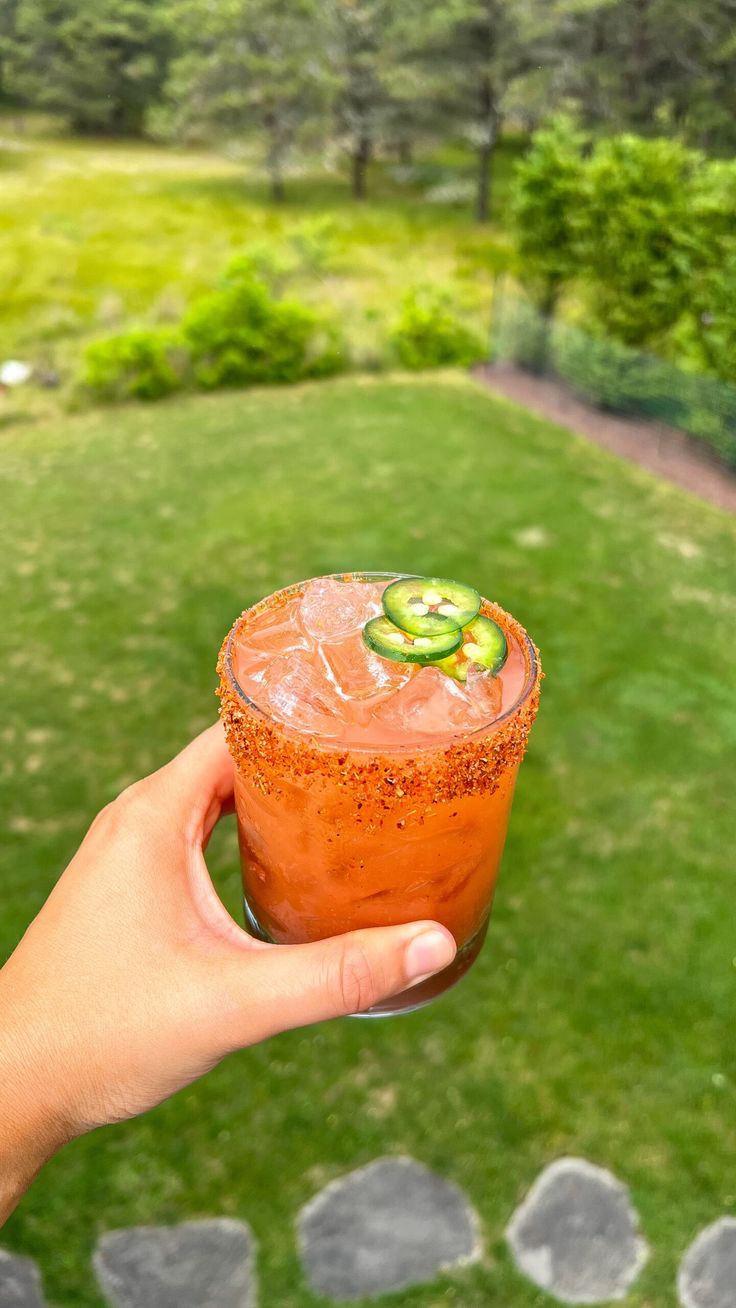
(415, 604)
(484, 644)
(386, 639)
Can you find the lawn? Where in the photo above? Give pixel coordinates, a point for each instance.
(98, 234)
(599, 1019)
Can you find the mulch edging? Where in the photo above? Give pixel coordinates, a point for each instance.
(663, 450)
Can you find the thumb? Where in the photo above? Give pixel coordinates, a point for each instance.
(285, 986)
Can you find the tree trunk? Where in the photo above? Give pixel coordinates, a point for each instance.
(539, 355)
(275, 158)
(406, 152)
(489, 128)
(361, 157)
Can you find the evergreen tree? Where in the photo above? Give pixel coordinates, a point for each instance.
(100, 63)
(470, 53)
(8, 13)
(360, 61)
(247, 66)
(658, 66)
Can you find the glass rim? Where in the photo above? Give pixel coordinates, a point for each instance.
(313, 740)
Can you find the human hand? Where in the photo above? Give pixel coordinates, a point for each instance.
(134, 980)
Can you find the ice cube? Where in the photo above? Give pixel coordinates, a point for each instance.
(485, 691)
(295, 688)
(431, 704)
(360, 674)
(264, 638)
(332, 610)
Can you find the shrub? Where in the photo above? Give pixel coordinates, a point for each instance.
(637, 241)
(547, 184)
(428, 334)
(313, 242)
(142, 364)
(241, 335)
(610, 375)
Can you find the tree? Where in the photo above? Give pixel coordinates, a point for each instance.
(710, 333)
(359, 57)
(470, 53)
(8, 14)
(636, 242)
(656, 66)
(100, 63)
(247, 65)
(546, 193)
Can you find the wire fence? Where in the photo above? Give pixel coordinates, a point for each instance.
(614, 377)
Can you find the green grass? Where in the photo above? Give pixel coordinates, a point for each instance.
(599, 1019)
(96, 234)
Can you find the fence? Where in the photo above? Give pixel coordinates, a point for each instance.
(616, 378)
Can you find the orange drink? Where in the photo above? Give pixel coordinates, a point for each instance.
(375, 765)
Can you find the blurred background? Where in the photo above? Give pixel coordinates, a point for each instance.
(270, 271)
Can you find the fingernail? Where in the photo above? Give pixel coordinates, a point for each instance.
(428, 953)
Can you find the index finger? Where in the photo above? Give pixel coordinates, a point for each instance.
(199, 781)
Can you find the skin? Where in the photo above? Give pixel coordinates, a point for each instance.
(133, 980)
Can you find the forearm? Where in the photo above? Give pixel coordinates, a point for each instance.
(31, 1127)
(20, 1163)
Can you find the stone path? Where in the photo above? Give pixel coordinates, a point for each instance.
(387, 1226)
(194, 1265)
(20, 1283)
(576, 1234)
(394, 1224)
(708, 1273)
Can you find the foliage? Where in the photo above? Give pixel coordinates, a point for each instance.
(635, 239)
(464, 56)
(142, 364)
(714, 346)
(240, 335)
(613, 376)
(100, 63)
(247, 67)
(428, 334)
(548, 184)
(653, 66)
(642, 231)
(359, 48)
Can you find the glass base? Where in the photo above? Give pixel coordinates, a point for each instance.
(408, 1001)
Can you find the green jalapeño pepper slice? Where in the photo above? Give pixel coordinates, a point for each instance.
(385, 638)
(417, 604)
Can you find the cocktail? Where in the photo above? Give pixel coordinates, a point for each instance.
(377, 725)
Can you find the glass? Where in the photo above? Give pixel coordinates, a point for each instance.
(336, 836)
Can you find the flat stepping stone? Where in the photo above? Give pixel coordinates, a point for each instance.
(384, 1227)
(20, 1282)
(707, 1277)
(576, 1235)
(195, 1265)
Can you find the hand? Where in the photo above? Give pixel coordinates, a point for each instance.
(134, 980)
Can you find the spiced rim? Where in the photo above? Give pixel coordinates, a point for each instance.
(511, 624)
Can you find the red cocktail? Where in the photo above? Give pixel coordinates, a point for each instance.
(375, 770)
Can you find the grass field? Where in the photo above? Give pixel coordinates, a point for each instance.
(599, 1019)
(98, 234)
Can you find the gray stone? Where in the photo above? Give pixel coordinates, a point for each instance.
(707, 1276)
(576, 1234)
(20, 1283)
(195, 1265)
(384, 1227)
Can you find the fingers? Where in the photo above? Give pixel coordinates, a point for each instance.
(287, 986)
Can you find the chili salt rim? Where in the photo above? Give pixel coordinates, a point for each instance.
(269, 751)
